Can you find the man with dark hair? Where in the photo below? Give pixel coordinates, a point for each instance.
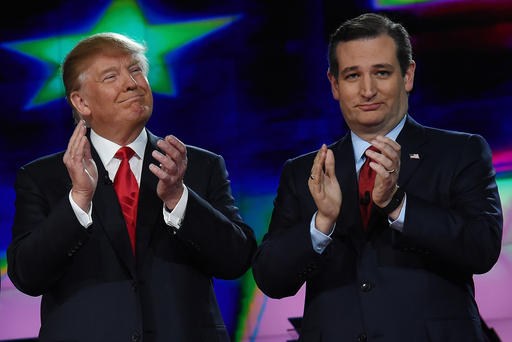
(123, 232)
(388, 225)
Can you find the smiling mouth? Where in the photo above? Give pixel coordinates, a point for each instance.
(133, 98)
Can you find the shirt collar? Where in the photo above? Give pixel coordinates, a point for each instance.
(359, 145)
(107, 149)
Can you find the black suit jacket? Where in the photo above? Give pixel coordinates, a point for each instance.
(93, 288)
(382, 284)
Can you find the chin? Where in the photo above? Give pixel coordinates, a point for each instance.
(372, 119)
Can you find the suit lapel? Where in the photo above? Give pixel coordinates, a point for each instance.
(411, 139)
(150, 206)
(107, 214)
(349, 220)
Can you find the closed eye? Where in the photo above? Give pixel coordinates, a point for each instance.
(109, 77)
(135, 69)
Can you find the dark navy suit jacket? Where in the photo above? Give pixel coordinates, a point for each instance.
(94, 289)
(382, 284)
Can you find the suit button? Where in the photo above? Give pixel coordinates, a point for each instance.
(362, 338)
(366, 286)
(134, 286)
(136, 336)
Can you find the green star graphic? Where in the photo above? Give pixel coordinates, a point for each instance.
(389, 3)
(125, 17)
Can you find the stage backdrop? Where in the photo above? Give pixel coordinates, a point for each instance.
(247, 79)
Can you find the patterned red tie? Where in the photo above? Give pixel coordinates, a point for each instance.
(127, 191)
(366, 182)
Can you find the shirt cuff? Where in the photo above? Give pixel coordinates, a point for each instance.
(85, 218)
(175, 217)
(398, 224)
(320, 240)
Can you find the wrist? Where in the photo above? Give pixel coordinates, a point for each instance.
(396, 213)
(323, 223)
(83, 200)
(392, 207)
(172, 201)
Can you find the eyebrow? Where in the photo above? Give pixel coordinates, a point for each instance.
(133, 62)
(375, 66)
(349, 69)
(114, 67)
(383, 65)
(107, 70)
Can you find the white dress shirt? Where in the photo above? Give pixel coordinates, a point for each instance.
(106, 151)
(321, 240)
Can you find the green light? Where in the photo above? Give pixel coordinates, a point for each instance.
(386, 3)
(505, 190)
(3, 263)
(125, 17)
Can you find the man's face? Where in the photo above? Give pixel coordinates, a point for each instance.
(115, 96)
(370, 88)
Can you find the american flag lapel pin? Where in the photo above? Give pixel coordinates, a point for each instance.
(414, 156)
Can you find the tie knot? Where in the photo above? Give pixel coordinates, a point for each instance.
(124, 152)
(373, 148)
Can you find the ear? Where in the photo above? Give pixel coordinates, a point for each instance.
(409, 77)
(334, 85)
(80, 104)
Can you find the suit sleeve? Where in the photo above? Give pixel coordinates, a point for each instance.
(44, 237)
(466, 233)
(286, 258)
(215, 230)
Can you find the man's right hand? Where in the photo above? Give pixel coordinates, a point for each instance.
(81, 167)
(325, 189)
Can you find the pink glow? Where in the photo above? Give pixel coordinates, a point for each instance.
(19, 312)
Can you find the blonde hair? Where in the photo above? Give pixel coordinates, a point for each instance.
(76, 61)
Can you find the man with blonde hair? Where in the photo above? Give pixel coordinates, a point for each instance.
(123, 232)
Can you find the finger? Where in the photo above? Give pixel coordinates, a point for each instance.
(171, 151)
(381, 159)
(75, 153)
(87, 156)
(166, 164)
(76, 148)
(177, 143)
(316, 170)
(383, 149)
(72, 141)
(383, 173)
(161, 174)
(329, 164)
(158, 172)
(387, 146)
(388, 141)
(79, 150)
(79, 132)
(87, 149)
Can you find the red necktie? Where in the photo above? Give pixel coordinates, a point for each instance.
(366, 182)
(127, 191)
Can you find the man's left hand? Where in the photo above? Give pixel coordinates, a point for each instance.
(173, 165)
(387, 166)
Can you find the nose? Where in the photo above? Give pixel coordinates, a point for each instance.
(368, 88)
(129, 81)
